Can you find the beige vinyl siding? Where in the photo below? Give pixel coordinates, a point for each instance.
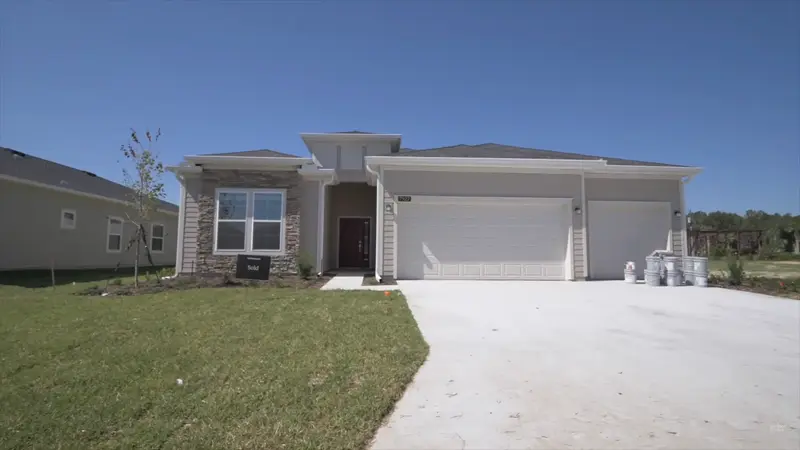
(31, 236)
(190, 219)
(463, 184)
(639, 190)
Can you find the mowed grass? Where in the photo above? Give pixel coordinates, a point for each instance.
(766, 269)
(263, 368)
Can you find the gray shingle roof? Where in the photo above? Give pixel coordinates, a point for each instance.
(491, 150)
(262, 152)
(20, 165)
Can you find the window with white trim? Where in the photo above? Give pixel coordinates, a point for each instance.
(114, 235)
(156, 238)
(69, 219)
(249, 220)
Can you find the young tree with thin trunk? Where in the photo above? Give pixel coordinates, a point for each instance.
(144, 179)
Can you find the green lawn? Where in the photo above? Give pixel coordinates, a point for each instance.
(263, 368)
(767, 269)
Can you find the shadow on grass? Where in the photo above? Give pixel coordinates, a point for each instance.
(43, 278)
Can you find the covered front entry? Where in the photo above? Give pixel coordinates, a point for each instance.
(483, 238)
(622, 231)
(349, 226)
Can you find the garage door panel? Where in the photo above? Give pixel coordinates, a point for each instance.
(482, 241)
(625, 231)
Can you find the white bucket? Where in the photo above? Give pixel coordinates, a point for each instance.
(701, 266)
(653, 264)
(652, 278)
(674, 279)
(700, 281)
(630, 277)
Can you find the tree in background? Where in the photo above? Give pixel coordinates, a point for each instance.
(144, 179)
(781, 231)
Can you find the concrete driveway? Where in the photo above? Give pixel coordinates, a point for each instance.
(517, 365)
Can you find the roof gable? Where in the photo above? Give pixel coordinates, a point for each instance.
(492, 150)
(263, 152)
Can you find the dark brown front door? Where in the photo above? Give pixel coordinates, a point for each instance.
(354, 242)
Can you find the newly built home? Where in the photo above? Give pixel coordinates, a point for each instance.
(490, 211)
(57, 216)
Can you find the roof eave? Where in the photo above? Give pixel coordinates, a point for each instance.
(499, 163)
(78, 193)
(248, 161)
(321, 137)
(599, 166)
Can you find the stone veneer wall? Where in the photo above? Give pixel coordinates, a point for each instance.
(210, 264)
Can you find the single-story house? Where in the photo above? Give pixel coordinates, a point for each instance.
(485, 211)
(66, 218)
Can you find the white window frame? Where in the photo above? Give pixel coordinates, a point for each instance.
(67, 226)
(109, 233)
(153, 236)
(249, 221)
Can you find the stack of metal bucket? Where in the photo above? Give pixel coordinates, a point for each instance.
(652, 273)
(695, 270)
(666, 268)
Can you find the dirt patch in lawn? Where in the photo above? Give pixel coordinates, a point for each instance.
(184, 283)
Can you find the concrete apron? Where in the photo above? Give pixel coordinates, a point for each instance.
(518, 365)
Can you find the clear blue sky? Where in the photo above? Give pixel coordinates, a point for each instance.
(708, 83)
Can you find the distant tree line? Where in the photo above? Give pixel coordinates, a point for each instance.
(780, 232)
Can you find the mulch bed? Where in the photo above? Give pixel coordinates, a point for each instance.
(183, 283)
(787, 288)
(369, 280)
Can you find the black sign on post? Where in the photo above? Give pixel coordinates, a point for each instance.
(253, 267)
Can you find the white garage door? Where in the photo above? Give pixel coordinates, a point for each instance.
(482, 238)
(625, 231)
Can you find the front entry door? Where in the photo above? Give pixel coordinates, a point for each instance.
(354, 242)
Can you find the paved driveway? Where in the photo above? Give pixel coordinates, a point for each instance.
(517, 365)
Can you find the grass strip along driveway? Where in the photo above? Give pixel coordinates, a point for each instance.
(262, 368)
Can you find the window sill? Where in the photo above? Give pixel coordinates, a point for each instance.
(245, 252)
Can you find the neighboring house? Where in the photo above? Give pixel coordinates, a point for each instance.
(54, 215)
(468, 211)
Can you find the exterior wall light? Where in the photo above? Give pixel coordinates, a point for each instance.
(678, 214)
(388, 208)
(578, 210)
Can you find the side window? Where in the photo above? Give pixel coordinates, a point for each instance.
(114, 238)
(157, 238)
(69, 219)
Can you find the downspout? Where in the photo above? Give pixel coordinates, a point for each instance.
(379, 224)
(321, 224)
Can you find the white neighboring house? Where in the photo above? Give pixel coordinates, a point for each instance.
(484, 211)
(72, 219)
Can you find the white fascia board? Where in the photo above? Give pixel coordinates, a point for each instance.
(180, 170)
(249, 161)
(600, 167)
(317, 173)
(639, 171)
(498, 163)
(78, 193)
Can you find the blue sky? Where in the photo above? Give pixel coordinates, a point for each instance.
(708, 83)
